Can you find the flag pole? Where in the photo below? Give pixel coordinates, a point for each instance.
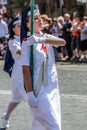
(31, 53)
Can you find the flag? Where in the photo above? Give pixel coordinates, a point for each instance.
(60, 3)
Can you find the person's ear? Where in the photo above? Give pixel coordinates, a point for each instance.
(28, 25)
(13, 29)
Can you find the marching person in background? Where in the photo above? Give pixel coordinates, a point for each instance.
(18, 91)
(43, 97)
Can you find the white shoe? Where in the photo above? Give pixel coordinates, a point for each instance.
(5, 123)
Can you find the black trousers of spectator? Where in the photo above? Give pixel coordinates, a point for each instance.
(67, 38)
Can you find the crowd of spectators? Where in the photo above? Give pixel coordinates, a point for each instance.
(73, 30)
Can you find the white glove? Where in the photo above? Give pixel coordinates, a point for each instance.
(32, 100)
(35, 39)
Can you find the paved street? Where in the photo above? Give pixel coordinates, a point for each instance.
(73, 91)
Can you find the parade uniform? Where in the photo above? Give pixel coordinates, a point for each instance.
(18, 91)
(14, 69)
(46, 106)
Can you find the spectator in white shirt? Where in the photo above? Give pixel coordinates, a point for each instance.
(3, 27)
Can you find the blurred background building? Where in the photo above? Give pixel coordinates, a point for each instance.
(50, 7)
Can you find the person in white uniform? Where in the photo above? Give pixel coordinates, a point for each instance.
(44, 98)
(3, 27)
(18, 91)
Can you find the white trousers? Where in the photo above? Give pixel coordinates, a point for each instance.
(46, 111)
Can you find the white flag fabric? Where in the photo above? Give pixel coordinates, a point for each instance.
(61, 3)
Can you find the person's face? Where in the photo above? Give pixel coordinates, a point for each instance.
(54, 22)
(37, 23)
(66, 18)
(60, 21)
(84, 20)
(16, 29)
(77, 19)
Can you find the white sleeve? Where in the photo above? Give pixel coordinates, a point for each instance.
(14, 46)
(50, 36)
(25, 55)
(35, 40)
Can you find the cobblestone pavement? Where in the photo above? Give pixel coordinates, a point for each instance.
(73, 91)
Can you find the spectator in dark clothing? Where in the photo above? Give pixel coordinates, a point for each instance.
(67, 34)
